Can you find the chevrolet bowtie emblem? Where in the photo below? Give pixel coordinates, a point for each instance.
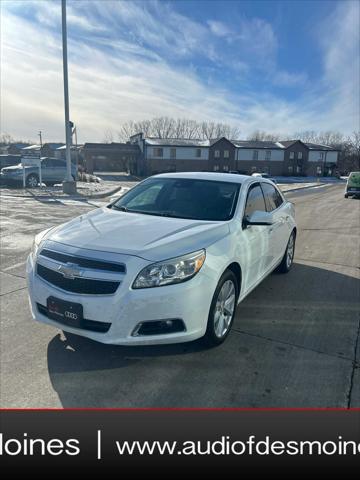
(70, 270)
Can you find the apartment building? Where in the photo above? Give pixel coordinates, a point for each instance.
(276, 158)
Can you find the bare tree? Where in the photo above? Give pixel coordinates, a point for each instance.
(331, 138)
(108, 136)
(166, 127)
(6, 139)
(262, 136)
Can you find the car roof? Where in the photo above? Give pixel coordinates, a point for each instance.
(214, 176)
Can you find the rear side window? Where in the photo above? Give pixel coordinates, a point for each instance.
(255, 200)
(48, 162)
(59, 163)
(273, 198)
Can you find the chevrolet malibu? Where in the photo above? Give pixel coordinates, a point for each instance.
(168, 262)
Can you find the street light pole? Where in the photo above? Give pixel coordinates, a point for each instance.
(69, 185)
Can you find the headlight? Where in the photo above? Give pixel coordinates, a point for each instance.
(38, 241)
(175, 270)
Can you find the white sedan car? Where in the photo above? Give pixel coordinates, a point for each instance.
(168, 262)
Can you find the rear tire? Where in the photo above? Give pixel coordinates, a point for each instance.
(222, 309)
(287, 260)
(32, 180)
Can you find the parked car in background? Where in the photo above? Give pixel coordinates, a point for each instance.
(352, 188)
(238, 172)
(53, 171)
(167, 262)
(9, 160)
(263, 175)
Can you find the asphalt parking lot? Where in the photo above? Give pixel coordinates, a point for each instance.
(295, 341)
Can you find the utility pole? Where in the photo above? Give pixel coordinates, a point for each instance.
(69, 185)
(41, 144)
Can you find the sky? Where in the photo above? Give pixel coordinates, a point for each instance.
(277, 66)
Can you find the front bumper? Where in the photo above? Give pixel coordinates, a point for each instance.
(10, 179)
(353, 191)
(189, 301)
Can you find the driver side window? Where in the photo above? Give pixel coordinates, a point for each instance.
(255, 200)
(147, 197)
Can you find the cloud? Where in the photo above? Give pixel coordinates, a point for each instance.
(131, 60)
(219, 29)
(339, 38)
(287, 79)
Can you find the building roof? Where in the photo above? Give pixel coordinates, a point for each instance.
(19, 145)
(63, 147)
(257, 144)
(32, 147)
(310, 146)
(53, 145)
(177, 142)
(288, 143)
(111, 146)
(318, 146)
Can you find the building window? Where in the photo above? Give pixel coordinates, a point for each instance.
(226, 153)
(298, 169)
(216, 168)
(198, 152)
(253, 169)
(217, 154)
(255, 155)
(268, 155)
(172, 152)
(321, 155)
(225, 168)
(292, 155)
(299, 155)
(290, 169)
(158, 152)
(318, 170)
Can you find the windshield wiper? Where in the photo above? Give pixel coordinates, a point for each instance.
(122, 209)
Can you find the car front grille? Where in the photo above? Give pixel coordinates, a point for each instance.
(79, 285)
(84, 324)
(83, 262)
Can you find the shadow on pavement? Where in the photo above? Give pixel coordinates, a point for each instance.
(286, 326)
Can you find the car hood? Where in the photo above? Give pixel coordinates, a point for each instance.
(147, 236)
(12, 168)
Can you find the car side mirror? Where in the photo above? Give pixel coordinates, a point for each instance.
(258, 218)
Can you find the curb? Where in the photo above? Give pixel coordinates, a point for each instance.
(69, 197)
(304, 188)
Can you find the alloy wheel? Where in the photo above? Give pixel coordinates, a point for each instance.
(290, 251)
(224, 308)
(32, 181)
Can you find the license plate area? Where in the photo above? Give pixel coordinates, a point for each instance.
(65, 312)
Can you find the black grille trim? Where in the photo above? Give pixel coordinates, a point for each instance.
(77, 285)
(84, 324)
(83, 262)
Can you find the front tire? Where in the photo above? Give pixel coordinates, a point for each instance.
(288, 258)
(222, 309)
(32, 181)
(346, 195)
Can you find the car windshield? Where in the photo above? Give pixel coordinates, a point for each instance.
(354, 179)
(182, 198)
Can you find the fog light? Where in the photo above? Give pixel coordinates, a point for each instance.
(159, 327)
